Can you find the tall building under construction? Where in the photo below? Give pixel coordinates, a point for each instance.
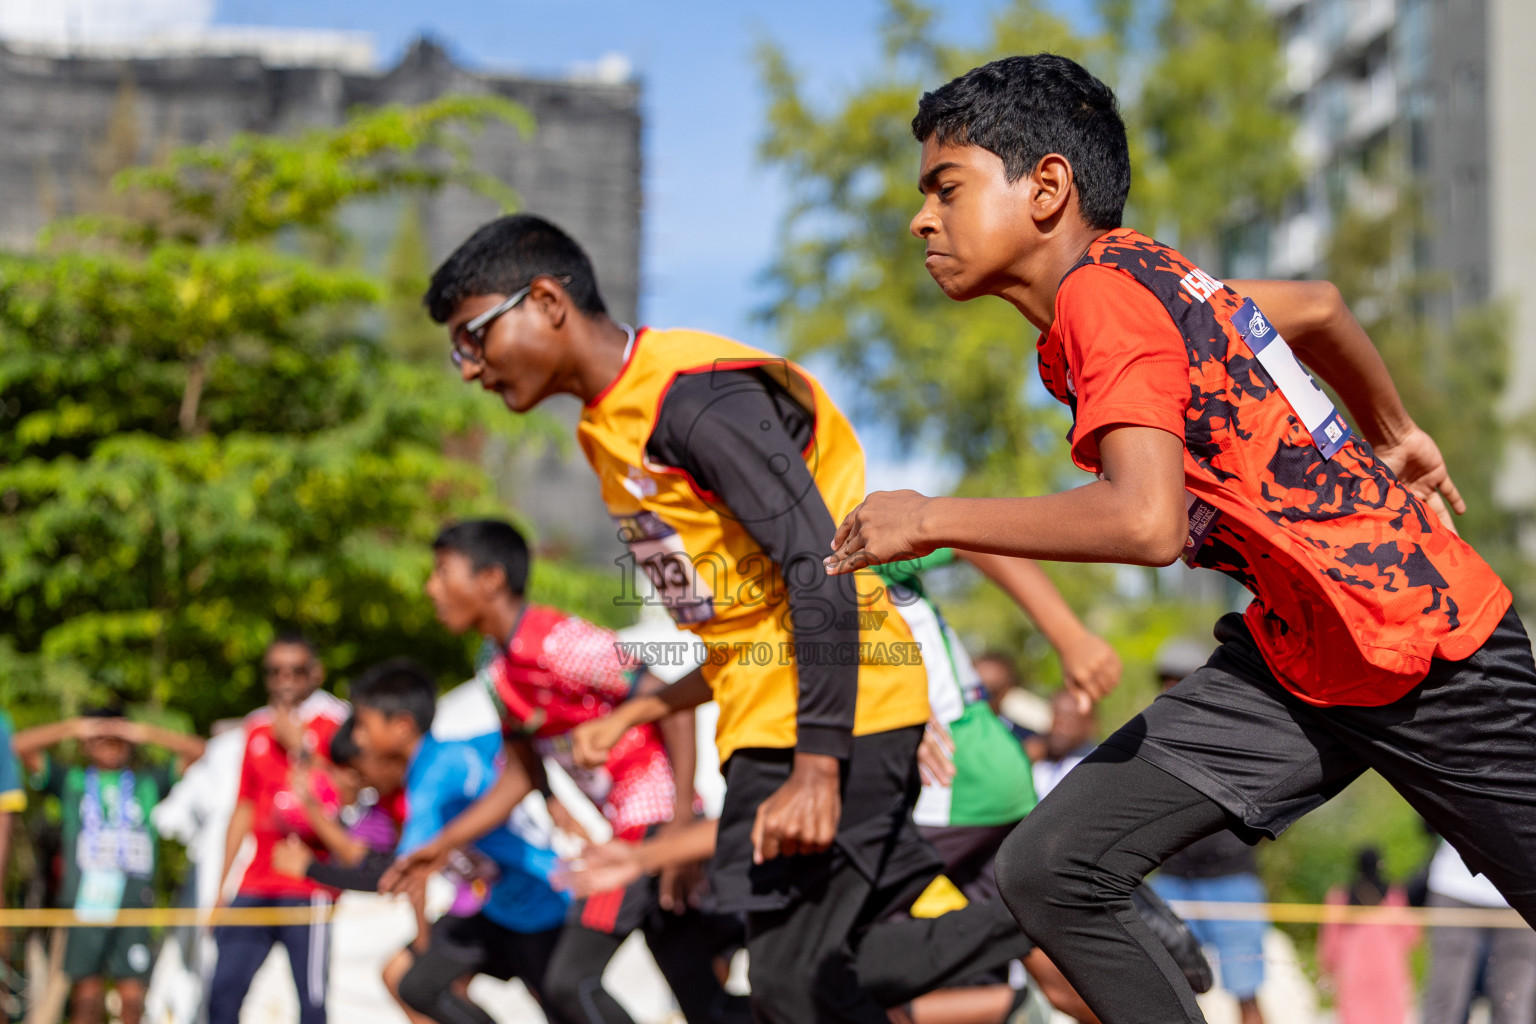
(73, 115)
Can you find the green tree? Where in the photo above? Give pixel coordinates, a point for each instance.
(1449, 370)
(204, 435)
(1210, 148)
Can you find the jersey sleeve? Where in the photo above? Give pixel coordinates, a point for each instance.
(13, 797)
(744, 442)
(323, 728)
(1126, 358)
(249, 785)
(456, 777)
(585, 660)
(426, 818)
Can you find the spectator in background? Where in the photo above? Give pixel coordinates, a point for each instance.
(1504, 958)
(196, 814)
(363, 836)
(1072, 737)
(1368, 960)
(1219, 869)
(13, 798)
(293, 731)
(999, 676)
(108, 846)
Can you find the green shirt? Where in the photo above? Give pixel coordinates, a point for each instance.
(993, 784)
(116, 834)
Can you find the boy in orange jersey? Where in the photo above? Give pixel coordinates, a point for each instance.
(1377, 638)
(726, 470)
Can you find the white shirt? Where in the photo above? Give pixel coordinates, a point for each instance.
(1450, 876)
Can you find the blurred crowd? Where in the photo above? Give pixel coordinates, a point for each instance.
(285, 808)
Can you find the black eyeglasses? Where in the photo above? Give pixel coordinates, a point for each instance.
(469, 340)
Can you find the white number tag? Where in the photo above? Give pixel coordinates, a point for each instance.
(101, 894)
(660, 554)
(1329, 430)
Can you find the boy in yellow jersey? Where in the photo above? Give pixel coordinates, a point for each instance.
(726, 470)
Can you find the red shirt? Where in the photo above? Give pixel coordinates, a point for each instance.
(1357, 585)
(558, 671)
(278, 812)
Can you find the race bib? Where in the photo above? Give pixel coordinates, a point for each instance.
(1328, 429)
(100, 895)
(659, 553)
(111, 849)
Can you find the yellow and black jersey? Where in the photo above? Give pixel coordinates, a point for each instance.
(727, 470)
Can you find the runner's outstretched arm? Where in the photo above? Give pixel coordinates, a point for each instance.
(591, 741)
(489, 812)
(680, 735)
(617, 863)
(1090, 667)
(1134, 514)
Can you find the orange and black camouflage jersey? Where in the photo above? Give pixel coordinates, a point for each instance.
(1356, 584)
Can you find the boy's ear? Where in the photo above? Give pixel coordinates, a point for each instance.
(492, 580)
(551, 300)
(1050, 187)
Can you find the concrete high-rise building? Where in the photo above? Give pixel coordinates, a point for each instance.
(1430, 91)
(74, 111)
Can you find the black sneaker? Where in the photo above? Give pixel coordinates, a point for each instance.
(1173, 933)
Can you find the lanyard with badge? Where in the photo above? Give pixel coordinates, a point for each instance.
(1312, 407)
(1328, 429)
(108, 850)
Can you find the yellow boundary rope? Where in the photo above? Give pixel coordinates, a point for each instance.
(1320, 913)
(1278, 913)
(171, 917)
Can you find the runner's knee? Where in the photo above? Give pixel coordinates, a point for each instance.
(1037, 870)
(781, 987)
(567, 991)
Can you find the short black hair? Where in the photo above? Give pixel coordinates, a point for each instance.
(294, 638)
(111, 709)
(488, 543)
(1002, 658)
(1022, 108)
(507, 254)
(344, 750)
(398, 686)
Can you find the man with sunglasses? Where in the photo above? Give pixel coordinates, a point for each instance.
(291, 732)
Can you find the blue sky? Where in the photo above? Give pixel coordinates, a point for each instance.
(711, 210)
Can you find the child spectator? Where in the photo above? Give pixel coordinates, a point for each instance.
(363, 836)
(13, 798)
(552, 672)
(1368, 960)
(108, 847)
(513, 935)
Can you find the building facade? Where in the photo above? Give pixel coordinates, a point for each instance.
(1435, 93)
(72, 115)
